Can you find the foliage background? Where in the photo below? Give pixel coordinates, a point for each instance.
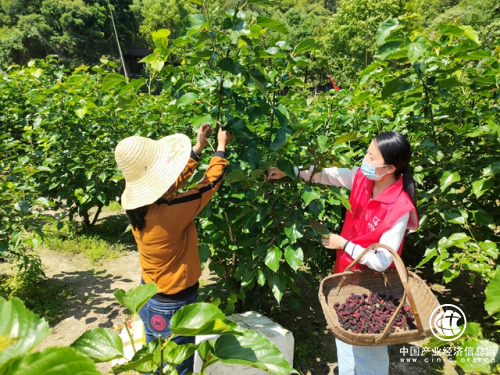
(251, 71)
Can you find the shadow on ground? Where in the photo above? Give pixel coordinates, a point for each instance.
(94, 295)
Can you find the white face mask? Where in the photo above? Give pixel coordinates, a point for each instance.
(369, 171)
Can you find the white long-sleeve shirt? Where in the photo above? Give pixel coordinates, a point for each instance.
(382, 259)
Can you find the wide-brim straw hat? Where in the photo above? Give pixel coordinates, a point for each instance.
(150, 167)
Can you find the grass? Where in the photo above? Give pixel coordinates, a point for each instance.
(103, 242)
(47, 298)
(114, 206)
(44, 297)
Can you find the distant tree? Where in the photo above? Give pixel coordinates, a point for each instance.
(483, 16)
(153, 15)
(349, 34)
(77, 31)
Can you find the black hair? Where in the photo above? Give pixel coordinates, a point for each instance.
(137, 217)
(396, 150)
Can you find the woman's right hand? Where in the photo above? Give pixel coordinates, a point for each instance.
(275, 174)
(224, 137)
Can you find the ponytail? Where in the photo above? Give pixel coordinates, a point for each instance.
(409, 186)
(137, 217)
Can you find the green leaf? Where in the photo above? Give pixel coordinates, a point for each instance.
(261, 2)
(197, 121)
(293, 232)
(306, 45)
(272, 24)
(390, 88)
(319, 228)
(347, 138)
(225, 64)
(448, 178)
(135, 298)
(259, 79)
(202, 319)
(464, 46)
(471, 363)
(429, 254)
(240, 128)
(479, 187)
(492, 292)
(369, 69)
(294, 257)
(474, 55)
(415, 50)
(26, 328)
(194, 23)
(449, 83)
(81, 112)
(41, 201)
(5, 342)
(261, 278)
(254, 350)
(388, 49)
(281, 137)
(310, 194)
(111, 80)
(278, 286)
(160, 38)
(455, 30)
(455, 216)
(176, 354)
(490, 248)
(143, 360)
(483, 218)
(236, 176)
(124, 102)
(60, 361)
(456, 239)
(186, 99)
(287, 167)
(273, 257)
(316, 207)
(451, 30)
(470, 33)
(199, 2)
(100, 344)
(492, 169)
(323, 142)
(386, 29)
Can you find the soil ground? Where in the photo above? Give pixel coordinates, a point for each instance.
(94, 306)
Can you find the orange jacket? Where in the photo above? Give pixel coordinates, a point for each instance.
(168, 245)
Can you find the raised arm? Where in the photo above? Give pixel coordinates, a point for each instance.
(329, 176)
(201, 142)
(186, 206)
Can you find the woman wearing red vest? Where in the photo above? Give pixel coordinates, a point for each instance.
(383, 207)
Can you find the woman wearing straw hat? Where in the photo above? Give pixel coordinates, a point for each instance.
(383, 207)
(162, 221)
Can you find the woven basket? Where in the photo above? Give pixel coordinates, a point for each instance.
(399, 283)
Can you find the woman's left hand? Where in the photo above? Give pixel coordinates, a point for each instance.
(334, 241)
(202, 137)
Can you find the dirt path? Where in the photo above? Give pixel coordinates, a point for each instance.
(94, 306)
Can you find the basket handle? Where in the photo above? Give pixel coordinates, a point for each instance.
(403, 275)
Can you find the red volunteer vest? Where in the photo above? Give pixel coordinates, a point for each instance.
(370, 218)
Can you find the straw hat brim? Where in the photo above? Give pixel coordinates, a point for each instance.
(171, 156)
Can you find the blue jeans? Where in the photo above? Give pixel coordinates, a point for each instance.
(156, 318)
(362, 360)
